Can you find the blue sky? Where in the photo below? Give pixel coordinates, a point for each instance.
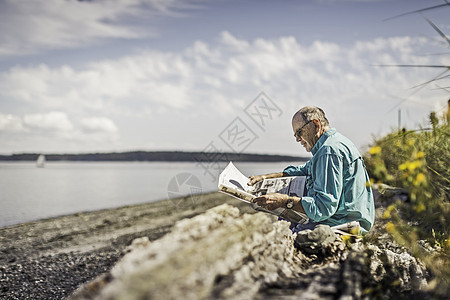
(110, 75)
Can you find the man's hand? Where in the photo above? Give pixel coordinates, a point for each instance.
(272, 201)
(255, 179)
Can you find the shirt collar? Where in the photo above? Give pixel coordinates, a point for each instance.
(322, 140)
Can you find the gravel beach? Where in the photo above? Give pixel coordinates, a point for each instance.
(49, 259)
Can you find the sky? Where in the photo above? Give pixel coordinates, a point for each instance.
(152, 75)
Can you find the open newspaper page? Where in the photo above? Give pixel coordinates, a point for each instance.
(234, 183)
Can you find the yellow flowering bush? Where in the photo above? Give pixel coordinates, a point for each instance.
(419, 162)
(375, 150)
(390, 227)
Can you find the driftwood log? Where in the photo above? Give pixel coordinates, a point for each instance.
(223, 254)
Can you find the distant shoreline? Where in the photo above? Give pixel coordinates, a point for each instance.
(167, 156)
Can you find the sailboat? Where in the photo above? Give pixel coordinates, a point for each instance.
(40, 162)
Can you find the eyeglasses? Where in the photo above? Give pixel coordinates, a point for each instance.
(299, 132)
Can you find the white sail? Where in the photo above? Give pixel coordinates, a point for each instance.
(40, 162)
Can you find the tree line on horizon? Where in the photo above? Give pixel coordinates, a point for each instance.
(206, 157)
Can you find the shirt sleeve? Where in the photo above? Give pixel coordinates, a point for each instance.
(297, 171)
(323, 201)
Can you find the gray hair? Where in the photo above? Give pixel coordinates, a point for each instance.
(309, 113)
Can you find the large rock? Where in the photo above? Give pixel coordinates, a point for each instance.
(222, 254)
(217, 253)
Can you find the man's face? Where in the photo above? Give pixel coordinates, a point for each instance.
(305, 133)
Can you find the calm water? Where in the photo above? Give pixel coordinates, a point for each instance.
(28, 193)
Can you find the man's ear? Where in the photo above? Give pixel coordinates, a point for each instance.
(316, 125)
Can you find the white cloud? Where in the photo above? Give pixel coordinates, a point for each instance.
(10, 123)
(55, 121)
(233, 42)
(98, 125)
(152, 80)
(48, 123)
(203, 87)
(46, 132)
(30, 26)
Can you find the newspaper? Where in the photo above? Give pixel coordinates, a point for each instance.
(232, 182)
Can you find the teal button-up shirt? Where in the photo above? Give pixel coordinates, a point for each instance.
(338, 189)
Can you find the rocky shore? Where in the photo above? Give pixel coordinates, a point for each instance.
(210, 247)
(49, 259)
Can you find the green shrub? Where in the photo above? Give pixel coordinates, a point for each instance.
(419, 162)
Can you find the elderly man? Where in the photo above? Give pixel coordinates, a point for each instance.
(338, 189)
